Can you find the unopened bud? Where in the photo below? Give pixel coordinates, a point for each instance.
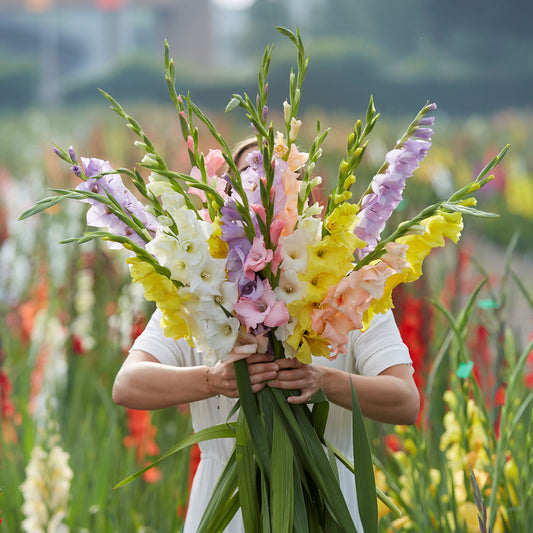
(72, 154)
(349, 181)
(295, 128)
(149, 159)
(286, 111)
(469, 202)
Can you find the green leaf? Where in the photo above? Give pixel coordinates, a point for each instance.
(365, 483)
(282, 483)
(250, 407)
(220, 431)
(221, 509)
(44, 204)
(320, 413)
(310, 452)
(246, 475)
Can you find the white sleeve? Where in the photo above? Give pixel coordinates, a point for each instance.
(379, 347)
(165, 349)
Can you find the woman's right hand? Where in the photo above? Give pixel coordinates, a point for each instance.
(221, 377)
(261, 366)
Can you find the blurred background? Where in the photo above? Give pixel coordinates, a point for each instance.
(69, 313)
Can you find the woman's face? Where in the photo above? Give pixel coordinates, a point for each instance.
(241, 163)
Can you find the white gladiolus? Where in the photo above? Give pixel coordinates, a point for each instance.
(46, 491)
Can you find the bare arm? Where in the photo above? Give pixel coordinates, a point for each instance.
(144, 383)
(390, 397)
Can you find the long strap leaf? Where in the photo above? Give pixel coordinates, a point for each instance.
(282, 485)
(218, 513)
(310, 452)
(219, 431)
(246, 475)
(253, 417)
(365, 483)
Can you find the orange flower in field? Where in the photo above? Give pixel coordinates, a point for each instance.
(141, 434)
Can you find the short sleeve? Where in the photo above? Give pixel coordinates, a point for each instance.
(166, 350)
(379, 347)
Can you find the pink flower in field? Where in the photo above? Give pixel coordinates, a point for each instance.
(257, 258)
(264, 310)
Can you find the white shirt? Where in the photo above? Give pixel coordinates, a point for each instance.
(369, 354)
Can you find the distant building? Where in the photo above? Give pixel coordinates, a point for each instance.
(73, 39)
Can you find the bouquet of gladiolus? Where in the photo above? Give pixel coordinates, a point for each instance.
(221, 250)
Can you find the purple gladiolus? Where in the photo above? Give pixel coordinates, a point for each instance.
(100, 215)
(387, 188)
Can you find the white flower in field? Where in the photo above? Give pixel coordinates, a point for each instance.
(290, 287)
(46, 491)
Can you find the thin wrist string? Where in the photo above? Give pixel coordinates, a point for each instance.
(209, 387)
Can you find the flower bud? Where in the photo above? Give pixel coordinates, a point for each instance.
(349, 181)
(295, 128)
(317, 180)
(72, 154)
(76, 169)
(265, 113)
(468, 202)
(286, 111)
(149, 159)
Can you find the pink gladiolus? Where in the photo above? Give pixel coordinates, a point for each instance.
(395, 256)
(257, 258)
(265, 310)
(190, 143)
(213, 161)
(276, 227)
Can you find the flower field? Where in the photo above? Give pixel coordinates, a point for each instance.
(69, 314)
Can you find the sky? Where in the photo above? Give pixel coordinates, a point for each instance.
(234, 4)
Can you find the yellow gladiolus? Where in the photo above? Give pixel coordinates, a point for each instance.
(217, 247)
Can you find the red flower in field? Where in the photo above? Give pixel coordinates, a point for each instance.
(141, 434)
(392, 442)
(528, 377)
(152, 475)
(499, 398)
(413, 327)
(77, 345)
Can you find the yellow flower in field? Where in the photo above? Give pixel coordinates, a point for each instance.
(511, 477)
(404, 523)
(381, 483)
(217, 247)
(468, 514)
(435, 477)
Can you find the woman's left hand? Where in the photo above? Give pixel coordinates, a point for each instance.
(293, 374)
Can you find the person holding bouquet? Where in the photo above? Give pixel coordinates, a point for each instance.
(163, 372)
